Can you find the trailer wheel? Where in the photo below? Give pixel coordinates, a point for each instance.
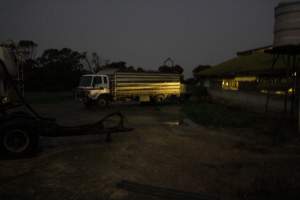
(18, 138)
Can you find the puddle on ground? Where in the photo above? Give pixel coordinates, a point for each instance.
(174, 122)
(180, 122)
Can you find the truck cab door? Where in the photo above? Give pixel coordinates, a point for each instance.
(101, 83)
(105, 82)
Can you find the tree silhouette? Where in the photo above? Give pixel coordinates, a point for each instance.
(96, 62)
(139, 69)
(120, 66)
(59, 69)
(177, 69)
(199, 68)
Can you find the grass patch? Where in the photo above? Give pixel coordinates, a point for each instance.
(48, 97)
(221, 116)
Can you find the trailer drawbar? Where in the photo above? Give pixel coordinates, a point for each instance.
(20, 131)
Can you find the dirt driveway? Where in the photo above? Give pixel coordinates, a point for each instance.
(158, 152)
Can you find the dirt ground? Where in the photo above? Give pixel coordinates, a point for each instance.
(229, 164)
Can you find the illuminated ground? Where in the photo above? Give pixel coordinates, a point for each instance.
(223, 162)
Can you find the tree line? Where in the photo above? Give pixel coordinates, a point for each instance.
(60, 69)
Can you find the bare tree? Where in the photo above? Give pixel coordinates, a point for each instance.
(85, 58)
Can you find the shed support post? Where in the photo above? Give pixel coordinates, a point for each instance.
(297, 91)
(267, 101)
(285, 101)
(275, 58)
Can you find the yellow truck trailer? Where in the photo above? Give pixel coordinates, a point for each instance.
(138, 86)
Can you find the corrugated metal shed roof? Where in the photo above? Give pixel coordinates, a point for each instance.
(254, 64)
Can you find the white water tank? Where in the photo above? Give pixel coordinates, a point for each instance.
(9, 61)
(287, 24)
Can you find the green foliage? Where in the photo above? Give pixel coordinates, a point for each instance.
(171, 69)
(56, 70)
(121, 66)
(60, 70)
(139, 69)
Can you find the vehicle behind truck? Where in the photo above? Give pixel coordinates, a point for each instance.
(125, 86)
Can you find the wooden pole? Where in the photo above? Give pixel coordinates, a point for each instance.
(291, 65)
(286, 93)
(297, 90)
(267, 101)
(275, 58)
(285, 101)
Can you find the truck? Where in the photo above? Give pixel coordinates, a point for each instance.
(154, 87)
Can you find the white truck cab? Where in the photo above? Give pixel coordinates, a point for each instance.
(94, 81)
(92, 86)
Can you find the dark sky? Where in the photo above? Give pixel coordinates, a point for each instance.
(143, 32)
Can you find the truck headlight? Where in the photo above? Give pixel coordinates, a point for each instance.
(92, 93)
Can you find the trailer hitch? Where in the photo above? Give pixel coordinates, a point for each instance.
(20, 131)
(97, 128)
(55, 130)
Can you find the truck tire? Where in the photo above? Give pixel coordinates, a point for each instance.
(159, 99)
(18, 138)
(102, 102)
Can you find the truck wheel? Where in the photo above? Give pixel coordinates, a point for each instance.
(102, 102)
(18, 138)
(159, 99)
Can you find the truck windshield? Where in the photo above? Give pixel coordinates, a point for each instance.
(85, 81)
